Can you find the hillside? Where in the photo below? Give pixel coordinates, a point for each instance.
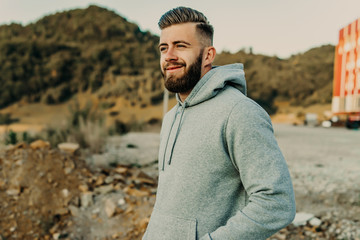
(303, 79)
(68, 54)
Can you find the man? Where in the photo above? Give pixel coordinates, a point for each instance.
(221, 173)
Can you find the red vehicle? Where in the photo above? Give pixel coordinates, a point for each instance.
(346, 89)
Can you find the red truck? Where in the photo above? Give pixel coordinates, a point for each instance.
(346, 88)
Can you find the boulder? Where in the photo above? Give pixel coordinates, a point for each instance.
(70, 148)
(39, 144)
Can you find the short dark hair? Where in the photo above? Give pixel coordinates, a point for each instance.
(183, 15)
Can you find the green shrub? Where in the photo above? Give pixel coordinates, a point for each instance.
(11, 138)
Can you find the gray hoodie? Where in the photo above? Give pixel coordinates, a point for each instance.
(221, 172)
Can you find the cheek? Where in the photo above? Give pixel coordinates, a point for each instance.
(162, 60)
(161, 63)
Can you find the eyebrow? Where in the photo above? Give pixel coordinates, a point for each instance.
(175, 42)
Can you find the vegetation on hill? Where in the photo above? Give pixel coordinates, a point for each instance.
(72, 51)
(98, 51)
(303, 79)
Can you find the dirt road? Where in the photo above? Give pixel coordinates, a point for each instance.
(325, 167)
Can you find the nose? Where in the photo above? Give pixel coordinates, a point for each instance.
(170, 55)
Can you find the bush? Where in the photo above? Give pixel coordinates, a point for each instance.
(11, 138)
(86, 126)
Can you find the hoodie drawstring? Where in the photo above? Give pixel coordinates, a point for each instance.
(177, 133)
(176, 136)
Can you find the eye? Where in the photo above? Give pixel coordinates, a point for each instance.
(162, 49)
(180, 46)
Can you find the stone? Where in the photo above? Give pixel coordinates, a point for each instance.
(65, 193)
(13, 191)
(109, 179)
(301, 219)
(121, 170)
(75, 212)
(121, 201)
(70, 148)
(39, 144)
(68, 170)
(95, 211)
(104, 189)
(20, 145)
(56, 236)
(86, 199)
(109, 208)
(315, 222)
(83, 187)
(62, 211)
(100, 180)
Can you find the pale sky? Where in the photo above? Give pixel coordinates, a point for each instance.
(271, 27)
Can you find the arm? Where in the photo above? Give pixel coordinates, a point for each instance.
(263, 173)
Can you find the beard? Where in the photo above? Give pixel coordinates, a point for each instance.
(188, 80)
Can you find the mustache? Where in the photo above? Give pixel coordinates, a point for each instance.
(174, 64)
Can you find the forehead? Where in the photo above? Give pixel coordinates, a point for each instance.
(176, 32)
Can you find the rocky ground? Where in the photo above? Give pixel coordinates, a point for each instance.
(48, 193)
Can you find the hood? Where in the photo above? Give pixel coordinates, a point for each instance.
(214, 81)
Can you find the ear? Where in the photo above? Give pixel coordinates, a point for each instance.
(209, 55)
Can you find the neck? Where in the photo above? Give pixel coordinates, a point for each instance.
(184, 95)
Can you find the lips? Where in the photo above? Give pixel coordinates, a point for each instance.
(173, 67)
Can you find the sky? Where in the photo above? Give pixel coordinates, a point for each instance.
(271, 27)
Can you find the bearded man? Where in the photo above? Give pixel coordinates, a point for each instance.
(221, 172)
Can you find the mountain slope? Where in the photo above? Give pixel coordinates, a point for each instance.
(94, 50)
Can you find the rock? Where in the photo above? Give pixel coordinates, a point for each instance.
(109, 179)
(20, 145)
(67, 170)
(121, 170)
(70, 148)
(83, 188)
(301, 219)
(39, 144)
(121, 201)
(95, 211)
(281, 236)
(109, 208)
(104, 189)
(56, 236)
(315, 222)
(13, 191)
(62, 211)
(74, 211)
(136, 193)
(65, 193)
(86, 199)
(99, 180)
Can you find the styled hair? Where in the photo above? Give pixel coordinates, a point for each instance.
(184, 15)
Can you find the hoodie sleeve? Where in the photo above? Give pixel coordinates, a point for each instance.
(263, 172)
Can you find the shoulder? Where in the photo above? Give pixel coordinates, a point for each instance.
(246, 113)
(241, 106)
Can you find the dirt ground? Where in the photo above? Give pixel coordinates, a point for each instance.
(48, 194)
(325, 167)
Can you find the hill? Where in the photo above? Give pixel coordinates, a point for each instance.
(68, 52)
(113, 61)
(303, 79)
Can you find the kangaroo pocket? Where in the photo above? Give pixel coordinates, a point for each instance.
(167, 227)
